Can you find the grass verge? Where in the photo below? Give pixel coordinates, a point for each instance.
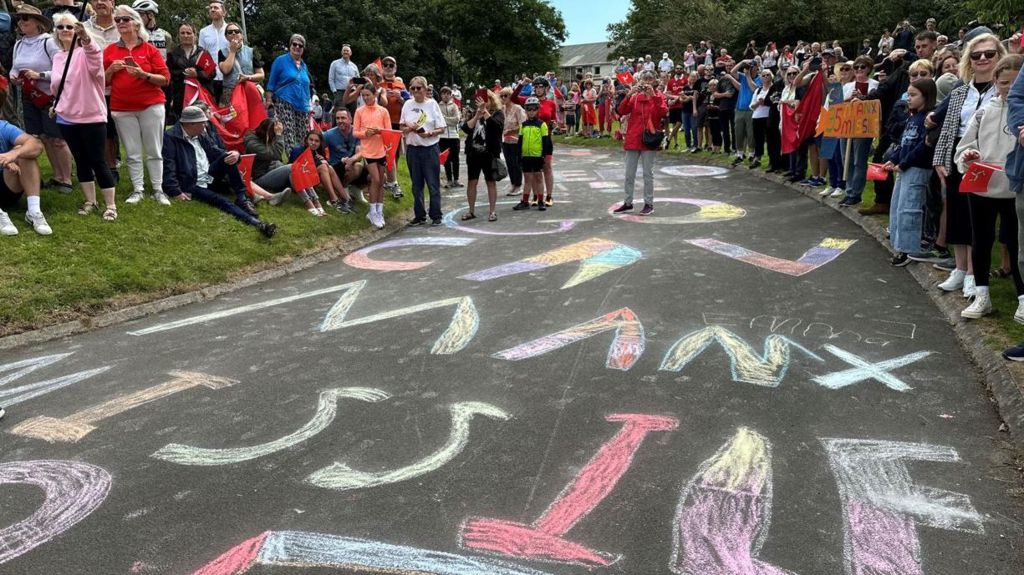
(89, 266)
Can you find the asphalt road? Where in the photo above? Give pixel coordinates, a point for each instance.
(739, 384)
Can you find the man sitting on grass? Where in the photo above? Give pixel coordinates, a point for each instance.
(193, 160)
(18, 154)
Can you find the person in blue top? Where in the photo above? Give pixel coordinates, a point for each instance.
(18, 154)
(746, 78)
(343, 150)
(288, 92)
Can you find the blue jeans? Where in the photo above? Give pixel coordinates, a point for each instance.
(860, 150)
(690, 130)
(221, 171)
(906, 209)
(835, 169)
(425, 168)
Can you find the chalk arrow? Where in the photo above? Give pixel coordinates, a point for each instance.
(341, 477)
(74, 427)
(29, 391)
(724, 513)
(827, 250)
(326, 410)
(626, 348)
(596, 257)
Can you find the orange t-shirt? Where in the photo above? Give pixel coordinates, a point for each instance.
(375, 116)
(395, 103)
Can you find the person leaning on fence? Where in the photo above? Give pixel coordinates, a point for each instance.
(192, 161)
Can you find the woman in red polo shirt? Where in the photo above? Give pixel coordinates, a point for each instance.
(136, 73)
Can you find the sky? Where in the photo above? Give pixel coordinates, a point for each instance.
(587, 20)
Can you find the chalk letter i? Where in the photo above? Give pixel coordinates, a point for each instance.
(544, 538)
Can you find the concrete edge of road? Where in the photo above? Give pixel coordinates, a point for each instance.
(335, 249)
(1007, 392)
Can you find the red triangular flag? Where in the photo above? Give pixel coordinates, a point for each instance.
(245, 168)
(379, 65)
(624, 77)
(977, 178)
(444, 156)
(877, 173)
(392, 139)
(304, 173)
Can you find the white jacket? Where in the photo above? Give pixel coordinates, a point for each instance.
(987, 134)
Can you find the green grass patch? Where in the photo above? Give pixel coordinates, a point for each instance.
(89, 265)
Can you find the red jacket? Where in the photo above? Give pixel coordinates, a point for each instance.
(641, 108)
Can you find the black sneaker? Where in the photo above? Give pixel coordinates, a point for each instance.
(435, 223)
(946, 265)
(737, 161)
(416, 222)
(521, 206)
(247, 206)
(541, 207)
(623, 208)
(899, 260)
(648, 210)
(342, 207)
(1015, 353)
(267, 229)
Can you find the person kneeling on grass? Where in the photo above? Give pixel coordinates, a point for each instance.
(192, 161)
(18, 153)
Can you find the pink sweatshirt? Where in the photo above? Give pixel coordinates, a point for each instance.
(82, 101)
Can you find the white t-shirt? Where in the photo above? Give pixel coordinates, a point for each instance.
(764, 109)
(213, 40)
(428, 115)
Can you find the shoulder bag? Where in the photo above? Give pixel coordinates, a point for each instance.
(652, 138)
(63, 77)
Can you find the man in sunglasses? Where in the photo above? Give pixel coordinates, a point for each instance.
(396, 93)
(158, 37)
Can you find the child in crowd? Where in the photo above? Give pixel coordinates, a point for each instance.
(569, 110)
(588, 109)
(912, 160)
(988, 141)
(314, 142)
(534, 145)
(370, 121)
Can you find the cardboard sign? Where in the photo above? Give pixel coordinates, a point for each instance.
(976, 180)
(856, 119)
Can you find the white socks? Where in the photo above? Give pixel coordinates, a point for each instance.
(33, 205)
(377, 209)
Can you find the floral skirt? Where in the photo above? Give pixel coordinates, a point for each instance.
(295, 122)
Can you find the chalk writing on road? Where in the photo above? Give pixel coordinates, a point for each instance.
(545, 537)
(74, 427)
(626, 348)
(306, 549)
(596, 257)
(689, 171)
(710, 211)
(361, 258)
(882, 506)
(20, 369)
(725, 511)
(767, 369)
(872, 332)
(459, 333)
(326, 411)
(826, 251)
(451, 219)
(72, 491)
(864, 370)
(340, 476)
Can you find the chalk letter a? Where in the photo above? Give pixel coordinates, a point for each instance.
(625, 350)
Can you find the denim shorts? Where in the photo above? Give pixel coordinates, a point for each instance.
(38, 122)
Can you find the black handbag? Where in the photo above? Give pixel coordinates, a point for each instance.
(499, 170)
(652, 138)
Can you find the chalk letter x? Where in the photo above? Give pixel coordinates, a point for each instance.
(864, 370)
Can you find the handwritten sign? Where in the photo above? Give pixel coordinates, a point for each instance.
(857, 119)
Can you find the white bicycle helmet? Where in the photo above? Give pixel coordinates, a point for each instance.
(146, 6)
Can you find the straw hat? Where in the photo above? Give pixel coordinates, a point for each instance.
(29, 11)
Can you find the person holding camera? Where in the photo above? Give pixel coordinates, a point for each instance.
(646, 107)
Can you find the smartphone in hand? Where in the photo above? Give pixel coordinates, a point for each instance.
(129, 61)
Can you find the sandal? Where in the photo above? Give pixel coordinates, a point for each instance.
(492, 217)
(87, 208)
(467, 217)
(110, 214)
(1000, 273)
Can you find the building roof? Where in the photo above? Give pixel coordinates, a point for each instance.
(585, 54)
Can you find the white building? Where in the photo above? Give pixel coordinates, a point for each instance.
(597, 58)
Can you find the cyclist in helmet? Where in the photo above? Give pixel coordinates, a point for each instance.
(547, 113)
(158, 37)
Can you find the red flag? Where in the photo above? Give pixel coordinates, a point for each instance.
(245, 168)
(245, 112)
(392, 139)
(798, 125)
(877, 173)
(379, 65)
(977, 178)
(624, 77)
(304, 174)
(444, 156)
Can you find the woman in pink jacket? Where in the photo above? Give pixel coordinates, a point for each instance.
(82, 110)
(646, 107)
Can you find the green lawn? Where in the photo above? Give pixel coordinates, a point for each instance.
(88, 265)
(1002, 330)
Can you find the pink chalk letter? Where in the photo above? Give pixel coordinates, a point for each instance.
(544, 538)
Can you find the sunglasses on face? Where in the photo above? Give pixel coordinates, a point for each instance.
(988, 54)
(390, 65)
(298, 45)
(232, 32)
(415, 88)
(63, 27)
(920, 75)
(791, 74)
(122, 19)
(504, 96)
(860, 67)
(532, 108)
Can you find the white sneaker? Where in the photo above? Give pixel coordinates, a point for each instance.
(358, 196)
(6, 225)
(39, 224)
(1018, 316)
(134, 198)
(837, 193)
(825, 192)
(970, 288)
(380, 222)
(981, 306)
(162, 199)
(954, 282)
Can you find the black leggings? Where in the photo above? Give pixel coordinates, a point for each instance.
(451, 165)
(983, 219)
(760, 136)
(515, 171)
(88, 144)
